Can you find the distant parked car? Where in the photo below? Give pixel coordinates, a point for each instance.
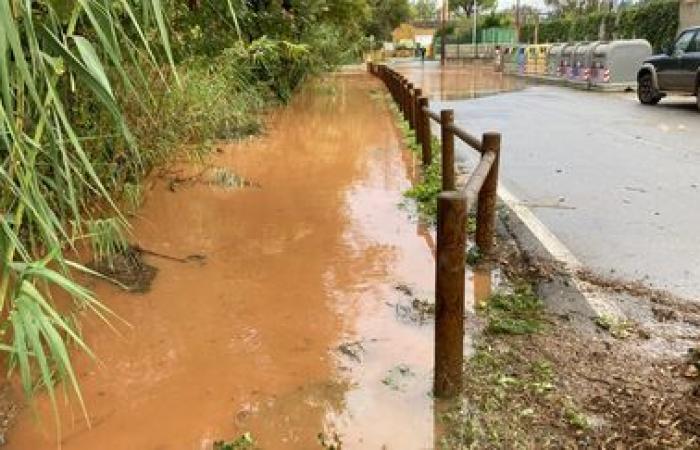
(675, 71)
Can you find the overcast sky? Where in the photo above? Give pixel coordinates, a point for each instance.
(506, 4)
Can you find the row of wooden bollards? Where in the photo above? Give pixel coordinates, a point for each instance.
(453, 209)
(412, 104)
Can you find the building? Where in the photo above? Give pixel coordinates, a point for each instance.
(690, 13)
(418, 32)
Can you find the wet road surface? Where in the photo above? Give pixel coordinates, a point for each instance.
(458, 81)
(618, 183)
(293, 325)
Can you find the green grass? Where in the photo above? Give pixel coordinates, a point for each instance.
(427, 189)
(504, 392)
(243, 442)
(518, 312)
(619, 329)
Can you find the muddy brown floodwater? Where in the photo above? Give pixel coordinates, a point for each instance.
(300, 320)
(458, 80)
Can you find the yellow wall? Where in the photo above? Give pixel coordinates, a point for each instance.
(408, 31)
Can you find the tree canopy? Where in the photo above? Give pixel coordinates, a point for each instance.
(385, 16)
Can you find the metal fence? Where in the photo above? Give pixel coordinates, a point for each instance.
(454, 204)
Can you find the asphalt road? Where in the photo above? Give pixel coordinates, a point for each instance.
(617, 182)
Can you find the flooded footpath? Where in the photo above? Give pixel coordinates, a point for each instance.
(458, 80)
(305, 314)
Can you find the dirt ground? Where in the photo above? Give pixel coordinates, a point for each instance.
(581, 382)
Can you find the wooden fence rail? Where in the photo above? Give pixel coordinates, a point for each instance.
(453, 208)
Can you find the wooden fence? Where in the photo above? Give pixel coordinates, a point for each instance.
(454, 204)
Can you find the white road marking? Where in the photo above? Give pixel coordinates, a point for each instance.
(597, 300)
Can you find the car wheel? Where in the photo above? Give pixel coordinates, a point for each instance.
(646, 92)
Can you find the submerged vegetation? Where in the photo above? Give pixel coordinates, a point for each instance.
(95, 94)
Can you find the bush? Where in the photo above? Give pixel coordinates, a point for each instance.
(655, 21)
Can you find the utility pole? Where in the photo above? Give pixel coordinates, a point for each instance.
(517, 21)
(474, 43)
(444, 14)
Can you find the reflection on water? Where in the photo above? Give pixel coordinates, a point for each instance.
(482, 284)
(316, 260)
(458, 80)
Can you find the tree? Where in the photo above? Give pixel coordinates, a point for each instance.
(424, 10)
(385, 16)
(467, 6)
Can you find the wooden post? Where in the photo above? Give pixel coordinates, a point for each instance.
(395, 82)
(404, 97)
(392, 83)
(409, 106)
(447, 117)
(426, 137)
(417, 122)
(449, 293)
(486, 209)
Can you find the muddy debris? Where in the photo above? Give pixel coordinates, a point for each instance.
(420, 311)
(397, 378)
(404, 289)
(411, 308)
(243, 442)
(195, 257)
(224, 178)
(353, 350)
(210, 175)
(562, 389)
(128, 269)
(8, 410)
(330, 441)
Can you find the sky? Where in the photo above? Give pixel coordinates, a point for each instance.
(507, 4)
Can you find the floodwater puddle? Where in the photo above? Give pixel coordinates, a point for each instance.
(459, 80)
(288, 331)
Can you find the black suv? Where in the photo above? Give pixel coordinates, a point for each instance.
(678, 70)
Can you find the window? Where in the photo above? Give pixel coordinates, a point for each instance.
(694, 46)
(684, 42)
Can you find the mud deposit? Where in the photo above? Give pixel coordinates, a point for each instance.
(289, 327)
(458, 80)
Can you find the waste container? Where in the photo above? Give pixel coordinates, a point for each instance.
(537, 58)
(615, 64)
(573, 69)
(521, 58)
(554, 59)
(583, 60)
(531, 59)
(509, 58)
(565, 63)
